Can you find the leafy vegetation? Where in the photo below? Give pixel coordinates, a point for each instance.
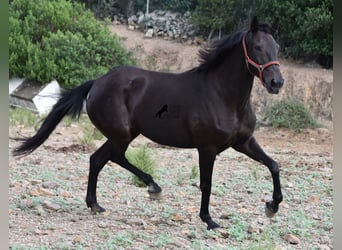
(212, 14)
(141, 157)
(23, 117)
(289, 114)
(306, 26)
(60, 40)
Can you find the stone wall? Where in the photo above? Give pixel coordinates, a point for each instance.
(166, 24)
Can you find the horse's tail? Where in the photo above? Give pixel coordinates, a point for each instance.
(70, 103)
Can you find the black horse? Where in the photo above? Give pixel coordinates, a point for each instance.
(213, 110)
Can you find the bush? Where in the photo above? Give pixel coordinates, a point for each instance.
(60, 40)
(306, 27)
(142, 159)
(289, 114)
(212, 14)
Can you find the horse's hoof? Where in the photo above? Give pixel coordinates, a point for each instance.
(213, 225)
(155, 196)
(269, 211)
(96, 208)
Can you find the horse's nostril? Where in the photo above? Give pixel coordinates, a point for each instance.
(277, 84)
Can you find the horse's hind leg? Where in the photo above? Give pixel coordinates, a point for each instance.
(97, 162)
(252, 149)
(153, 188)
(116, 153)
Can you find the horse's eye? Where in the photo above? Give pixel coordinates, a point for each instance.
(258, 48)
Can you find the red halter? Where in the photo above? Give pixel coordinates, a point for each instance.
(259, 67)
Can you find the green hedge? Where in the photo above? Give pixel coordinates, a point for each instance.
(60, 40)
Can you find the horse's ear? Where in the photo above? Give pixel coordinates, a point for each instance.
(275, 26)
(254, 24)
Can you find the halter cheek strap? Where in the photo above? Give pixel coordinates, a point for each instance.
(259, 67)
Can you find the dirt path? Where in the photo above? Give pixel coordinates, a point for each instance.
(157, 54)
(47, 188)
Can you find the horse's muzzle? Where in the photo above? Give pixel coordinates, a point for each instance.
(275, 85)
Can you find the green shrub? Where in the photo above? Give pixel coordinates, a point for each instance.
(142, 159)
(212, 14)
(289, 114)
(60, 40)
(306, 27)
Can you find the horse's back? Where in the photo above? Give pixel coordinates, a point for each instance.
(128, 99)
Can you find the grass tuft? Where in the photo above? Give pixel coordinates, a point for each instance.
(141, 158)
(24, 117)
(290, 114)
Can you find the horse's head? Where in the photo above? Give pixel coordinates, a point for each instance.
(261, 51)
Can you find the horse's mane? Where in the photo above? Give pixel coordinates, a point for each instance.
(212, 55)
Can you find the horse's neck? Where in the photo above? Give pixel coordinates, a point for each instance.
(233, 80)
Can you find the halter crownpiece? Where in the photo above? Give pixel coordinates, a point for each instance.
(259, 67)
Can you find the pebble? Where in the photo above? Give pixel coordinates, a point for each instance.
(50, 185)
(135, 222)
(41, 192)
(102, 225)
(223, 232)
(51, 206)
(253, 229)
(34, 181)
(292, 239)
(77, 239)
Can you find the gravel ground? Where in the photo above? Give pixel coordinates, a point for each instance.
(47, 190)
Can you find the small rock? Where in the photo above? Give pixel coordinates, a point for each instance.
(50, 185)
(253, 229)
(77, 239)
(42, 232)
(223, 232)
(177, 217)
(149, 33)
(34, 182)
(29, 203)
(225, 216)
(290, 185)
(41, 192)
(51, 206)
(135, 222)
(292, 239)
(74, 219)
(195, 184)
(65, 194)
(40, 210)
(102, 225)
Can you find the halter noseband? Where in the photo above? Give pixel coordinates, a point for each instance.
(259, 67)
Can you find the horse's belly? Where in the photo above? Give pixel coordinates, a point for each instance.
(166, 131)
(169, 138)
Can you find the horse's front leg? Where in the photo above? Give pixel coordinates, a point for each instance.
(206, 164)
(252, 149)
